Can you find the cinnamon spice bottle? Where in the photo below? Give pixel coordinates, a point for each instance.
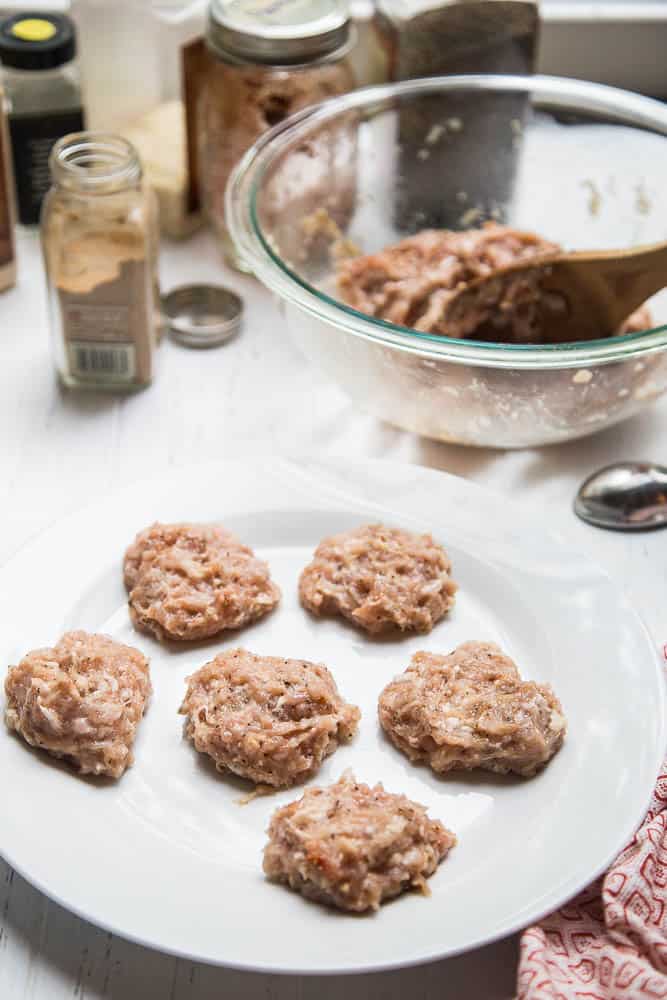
(100, 243)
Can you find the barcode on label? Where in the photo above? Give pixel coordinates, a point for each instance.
(102, 360)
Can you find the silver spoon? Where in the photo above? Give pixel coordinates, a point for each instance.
(628, 496)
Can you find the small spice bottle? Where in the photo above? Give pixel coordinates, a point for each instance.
(100, 242)
(41, 84)
(268, 60)
(7, 246)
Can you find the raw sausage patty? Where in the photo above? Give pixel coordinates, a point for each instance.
(192, 581)
(352, 846)
(81, 700)
(380, 578)
(264, 718)
(471, 709)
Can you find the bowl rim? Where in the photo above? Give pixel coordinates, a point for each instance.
(260, 257)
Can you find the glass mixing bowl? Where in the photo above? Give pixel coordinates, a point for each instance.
(579, 163)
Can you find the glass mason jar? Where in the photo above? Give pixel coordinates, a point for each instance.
(262, 68)
(100, 242)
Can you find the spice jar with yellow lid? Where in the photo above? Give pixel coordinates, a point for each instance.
(268, 59)
(100, 243)
(41, 83)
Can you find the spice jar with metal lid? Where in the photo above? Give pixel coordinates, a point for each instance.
(41, 83)
(268, 60)
(100, 242)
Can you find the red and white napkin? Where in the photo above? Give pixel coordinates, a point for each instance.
(610, 943)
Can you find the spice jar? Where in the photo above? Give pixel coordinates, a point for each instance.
(100, 243)
(41, 84)
(467, 134)
(7, 249)
(268, 60)
(449, 37)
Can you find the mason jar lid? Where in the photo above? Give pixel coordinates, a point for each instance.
(278, 31)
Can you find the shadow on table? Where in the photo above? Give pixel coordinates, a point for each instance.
(61, 955)
(540, 465)
(87, 401)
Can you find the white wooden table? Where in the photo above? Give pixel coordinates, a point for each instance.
(255, 395)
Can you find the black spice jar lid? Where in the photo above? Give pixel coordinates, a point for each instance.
(36, 41)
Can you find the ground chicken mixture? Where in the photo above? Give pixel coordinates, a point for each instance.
(471, 709)
(81, 700)
(192, 581)
(352, 846)
(270, 720)
(413, 282)
(379, 578)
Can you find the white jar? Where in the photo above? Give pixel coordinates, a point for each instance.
(130, 54)
(117, 49)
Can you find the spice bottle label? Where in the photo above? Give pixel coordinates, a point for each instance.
(33, 137)
(111, 354)
(6, 238)
(107, 325)
(88, 359)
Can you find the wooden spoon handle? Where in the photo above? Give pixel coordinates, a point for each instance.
(631, 277)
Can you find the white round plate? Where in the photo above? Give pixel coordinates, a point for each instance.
(169, 857)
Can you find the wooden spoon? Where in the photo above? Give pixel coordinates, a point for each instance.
(563, 297)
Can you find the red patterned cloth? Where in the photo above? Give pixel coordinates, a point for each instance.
(610, 943)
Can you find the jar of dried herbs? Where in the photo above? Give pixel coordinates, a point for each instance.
(100, 243)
